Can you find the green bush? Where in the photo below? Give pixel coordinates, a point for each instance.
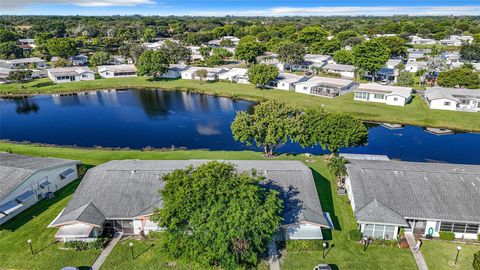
(355, 235)
(384, 242)
(304, 245)
(478, 237)
(476, 261)
(99, 243)
(154, 235)
(447, 236)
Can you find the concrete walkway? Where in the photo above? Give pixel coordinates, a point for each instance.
(416, 254)
(273, 256)
(103, 256)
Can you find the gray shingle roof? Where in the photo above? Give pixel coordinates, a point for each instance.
(375, 211)
(129, 188)
(14, 169)
(417, 190)
(88, 213)
(433, 93)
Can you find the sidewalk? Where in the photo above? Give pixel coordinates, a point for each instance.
(416, 254)
(103, 256)
(273, 256)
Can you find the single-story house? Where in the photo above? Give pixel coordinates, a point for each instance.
(390, 95)
(71, 74)
(385, 73)
(415, 56)
(415, 40)
(153, 45)
(25, 180)
(238, 75)
(174, 71)
(117, 71)
(311, 61)
(415, 66)
(212, 73)
(79, 60)
(287, 81)
(26, 41)
(233, 39)
(422, 198)
(347, 71)
(326, 87)
(23, 63)
(271, 59)
(453, 99)
(121, 195)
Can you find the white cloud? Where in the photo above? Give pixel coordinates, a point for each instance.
(343, 11)
(23, 4)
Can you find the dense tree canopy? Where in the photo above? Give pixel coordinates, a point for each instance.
(311, 34)
(291, 53)
(370, 56)
(405, 79)
(262, 74)
(9, 50)
(152, 63)
(176, 52)
(470, 52)
(248, 51)
(396, 45)
(270, 124)
(217, 216)
(459, 77)
(63, 47)
(100, 58)
(343, 57)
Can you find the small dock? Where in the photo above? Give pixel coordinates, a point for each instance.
(391, 126)
(439, 131)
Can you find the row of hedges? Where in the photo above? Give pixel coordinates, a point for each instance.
(304, 245)
(450, 236)
(99, 243)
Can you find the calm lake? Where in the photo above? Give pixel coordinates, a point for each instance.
(141, 118)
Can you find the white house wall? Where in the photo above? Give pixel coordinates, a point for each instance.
(439, 104)
(32, 184)
(400, 101)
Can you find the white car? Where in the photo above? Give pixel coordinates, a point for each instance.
(322, 267)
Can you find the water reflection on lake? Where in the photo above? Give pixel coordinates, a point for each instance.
(140, 118)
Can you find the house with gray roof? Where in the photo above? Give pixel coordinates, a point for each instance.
(287, 81)
(390, 95)
(346, 71)
(21, 63)
(71, 74)
(453, 99)
(117, 71)
(190, 73)
(423, 198)
(326, 87)
(25, 180)
(121, 195)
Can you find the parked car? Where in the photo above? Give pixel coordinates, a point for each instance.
(385, 82)
(322, 267)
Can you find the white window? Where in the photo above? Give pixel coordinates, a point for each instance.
(379, 96)
(459, 227)
(361, 95)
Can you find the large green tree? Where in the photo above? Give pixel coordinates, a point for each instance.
(405, 78)
(63, 47)
(311, 34)
(397, 45)
(470, 52)
(176, 52)
(152, 63)
(268, 125)
(262, 74)
(370, 56)
(459, 77)
(216, 216)
(248, 51)
(341, 130)
(291, 53)
(343, 57)
(9, 50)
(100, 58)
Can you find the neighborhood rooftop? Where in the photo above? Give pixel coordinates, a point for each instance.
(387, 89)
(383, 191)
(69, 71)
(14, 169)
(326, 80)
(129, 188)
(433, 93)
(22, 60)
(118, 68)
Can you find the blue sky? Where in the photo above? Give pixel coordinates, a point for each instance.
(239, 8)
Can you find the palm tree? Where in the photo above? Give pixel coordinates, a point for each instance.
(336, 166)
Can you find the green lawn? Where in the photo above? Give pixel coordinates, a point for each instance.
(440, 255)
(345, 253)
(415, 113)
(32, 224)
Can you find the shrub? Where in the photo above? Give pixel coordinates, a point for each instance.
(355, 235)
(476, 261)
(384, 242)
(154, 235)
(304, 245)
(99, 243)
(447, 236)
